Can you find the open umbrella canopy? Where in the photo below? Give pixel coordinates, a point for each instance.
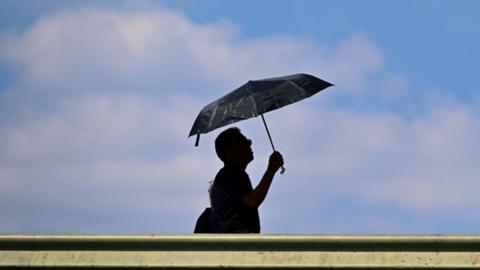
(256, 98)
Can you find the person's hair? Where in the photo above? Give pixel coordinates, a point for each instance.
(224, 140)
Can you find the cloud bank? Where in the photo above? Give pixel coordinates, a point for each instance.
(93, 130)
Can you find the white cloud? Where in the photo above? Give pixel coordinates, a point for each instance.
(426, 165)
(104, 155)
(353, 61)
(380, 159)
(7, 225)
(94, 123)
(161, 50)
(103, 102)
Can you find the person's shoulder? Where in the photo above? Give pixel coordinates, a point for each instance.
(221, 175)
(227, 170)
(227, 176)
(222, 172)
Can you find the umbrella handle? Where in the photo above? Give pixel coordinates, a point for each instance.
(271, 142)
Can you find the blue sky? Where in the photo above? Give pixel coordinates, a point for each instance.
(97, 98)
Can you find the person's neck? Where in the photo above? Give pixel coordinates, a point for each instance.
(238, 165)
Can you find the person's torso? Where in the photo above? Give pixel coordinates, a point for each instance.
(234, 184)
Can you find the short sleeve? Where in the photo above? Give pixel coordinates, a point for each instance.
(232, 184)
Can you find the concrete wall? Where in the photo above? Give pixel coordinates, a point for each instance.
(238, 251)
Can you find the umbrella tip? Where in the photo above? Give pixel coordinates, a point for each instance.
(197, 140)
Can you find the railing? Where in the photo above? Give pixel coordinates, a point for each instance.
(239, 251)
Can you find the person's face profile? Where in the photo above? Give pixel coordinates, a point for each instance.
(241, 148)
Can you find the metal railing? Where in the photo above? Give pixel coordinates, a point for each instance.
(86, 251)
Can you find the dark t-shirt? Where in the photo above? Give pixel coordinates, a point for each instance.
(236, 184)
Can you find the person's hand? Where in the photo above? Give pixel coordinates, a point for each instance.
(275, 161)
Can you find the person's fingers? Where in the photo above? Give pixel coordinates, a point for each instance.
(278, 156)
(276, 159)
(276, 153)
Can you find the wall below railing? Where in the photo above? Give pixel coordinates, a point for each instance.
(88, 251)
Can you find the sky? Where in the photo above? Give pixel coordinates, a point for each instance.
(97, 99)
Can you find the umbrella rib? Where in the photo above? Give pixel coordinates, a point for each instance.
(255, 108)
(300, 88)
(213, 116)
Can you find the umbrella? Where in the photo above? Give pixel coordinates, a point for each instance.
(255, 98)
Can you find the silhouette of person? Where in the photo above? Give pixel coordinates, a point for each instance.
(234, 203)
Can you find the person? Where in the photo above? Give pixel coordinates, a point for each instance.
(234, 203)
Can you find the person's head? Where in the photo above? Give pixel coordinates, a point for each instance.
(232, 146)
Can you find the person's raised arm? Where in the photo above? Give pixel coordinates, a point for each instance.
(258, 194)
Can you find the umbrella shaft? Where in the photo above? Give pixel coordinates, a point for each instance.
(268, 132)
(271, 142)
